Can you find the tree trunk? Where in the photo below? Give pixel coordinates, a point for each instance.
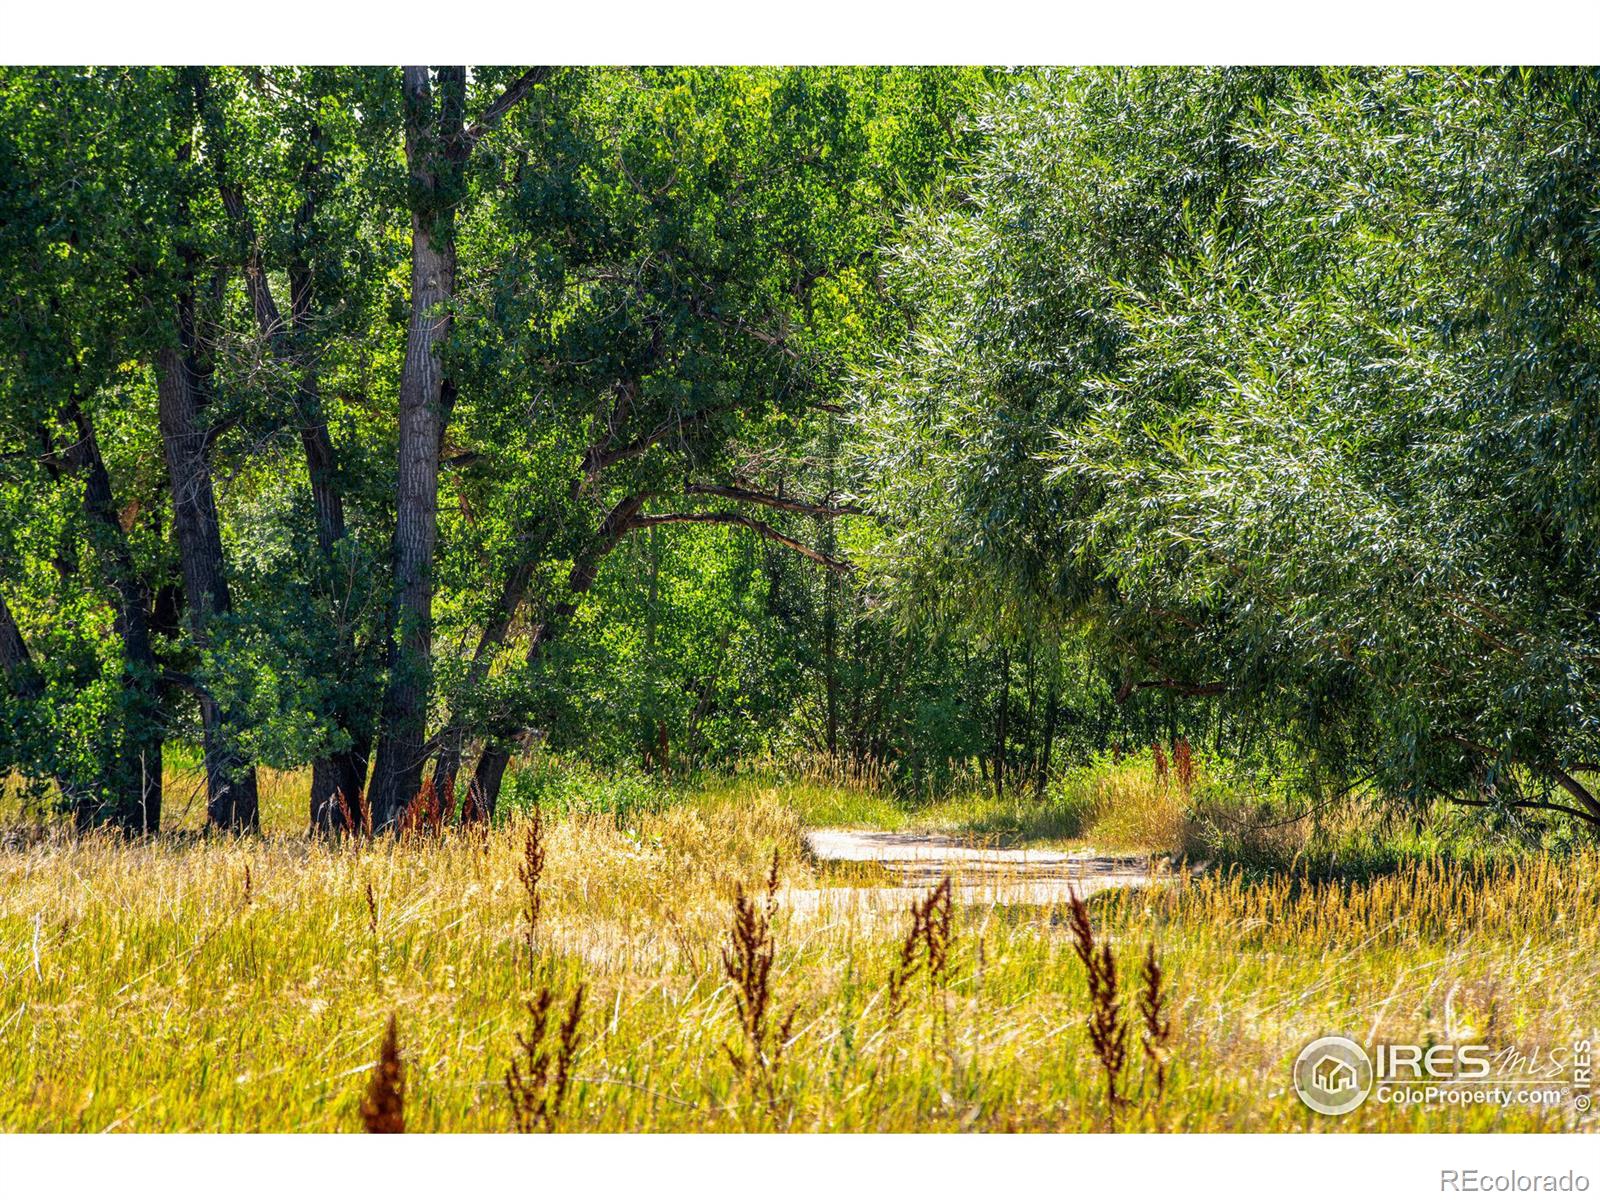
(1027, 761)
(342, 774)
(339, 778)
(181, 398)
(23, 678)
(435, 151)
(830, 663)
(1047, 739)
(15, 661)
(484, 793)
(230, 781)
(135, 789)
(1000, 726)
(653, 730)
(452, 742)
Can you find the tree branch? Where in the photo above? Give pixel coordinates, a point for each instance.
(1567, 783)
(784, 503)
(597, 460)
(507, 100)
(188, 683)
(1588, 818)
(757, 527)
(1577, 791)
(1181, 687)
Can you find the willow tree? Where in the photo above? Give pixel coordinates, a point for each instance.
(1280, 387)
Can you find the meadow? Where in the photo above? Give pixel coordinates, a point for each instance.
(214, 983)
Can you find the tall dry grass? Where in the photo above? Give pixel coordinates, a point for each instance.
(144, 986)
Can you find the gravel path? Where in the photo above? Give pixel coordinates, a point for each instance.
(981, 874)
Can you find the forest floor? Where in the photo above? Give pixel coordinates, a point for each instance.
(190, 983)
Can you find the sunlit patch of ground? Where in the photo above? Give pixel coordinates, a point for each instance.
(981, 874)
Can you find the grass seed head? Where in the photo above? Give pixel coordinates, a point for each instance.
(383, 1107)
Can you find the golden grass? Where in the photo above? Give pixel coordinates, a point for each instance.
(1110, 806)
(143, 986)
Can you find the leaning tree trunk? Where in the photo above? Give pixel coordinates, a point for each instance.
(135, 785)
(452, 743)
(435, 147)
(16, 664)
(22, 676)
(483, 794)
(230, 780)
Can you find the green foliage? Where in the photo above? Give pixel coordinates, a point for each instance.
(1252, 406)
(572, 787)
(1280, 386)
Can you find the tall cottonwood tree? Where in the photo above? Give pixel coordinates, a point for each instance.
(297, 111)
(184, 369)
(439, 143)
(614, 302)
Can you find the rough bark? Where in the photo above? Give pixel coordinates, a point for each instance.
(340, 775)
(230, 781)
(182, 385)
(435, 151)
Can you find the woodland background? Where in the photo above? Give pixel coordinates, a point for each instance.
(932, 426)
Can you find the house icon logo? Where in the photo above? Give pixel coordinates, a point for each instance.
(1332, 1076)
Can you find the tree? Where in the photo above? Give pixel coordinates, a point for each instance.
(78, 250)
(691, 255)
(1277, 385)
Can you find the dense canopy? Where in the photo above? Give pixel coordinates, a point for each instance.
(915, 422)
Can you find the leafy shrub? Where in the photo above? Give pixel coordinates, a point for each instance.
(571, 787)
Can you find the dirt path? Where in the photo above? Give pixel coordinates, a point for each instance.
(981, 874)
